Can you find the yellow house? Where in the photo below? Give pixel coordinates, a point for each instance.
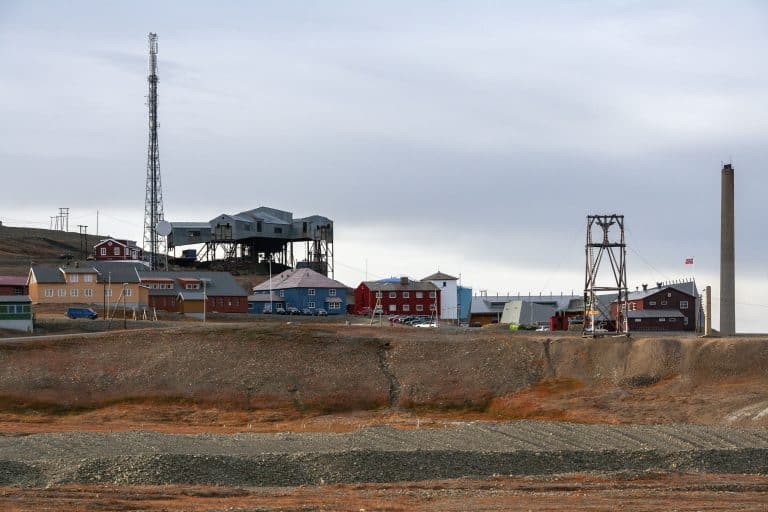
(90, 282)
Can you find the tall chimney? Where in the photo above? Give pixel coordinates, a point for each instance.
(727, 256)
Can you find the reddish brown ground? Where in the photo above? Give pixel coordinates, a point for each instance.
(681, 492)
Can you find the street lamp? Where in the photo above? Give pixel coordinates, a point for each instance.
(205, 298)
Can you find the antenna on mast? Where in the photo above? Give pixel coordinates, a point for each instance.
(153, 203)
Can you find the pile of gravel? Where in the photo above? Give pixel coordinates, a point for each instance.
(379, 454)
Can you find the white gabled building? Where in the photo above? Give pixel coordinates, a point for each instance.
(449, 294)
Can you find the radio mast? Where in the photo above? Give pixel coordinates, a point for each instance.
(153, 245)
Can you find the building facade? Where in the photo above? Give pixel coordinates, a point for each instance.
(16, 313)
(13, 285)
(90, 282)
(304, 288)
(664, 308)
(185, 292)
(449, 294)
(112, 249)
(398, 296)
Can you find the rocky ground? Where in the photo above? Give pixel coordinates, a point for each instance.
(301, 416)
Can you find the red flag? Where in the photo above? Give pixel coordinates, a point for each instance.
(689, 261)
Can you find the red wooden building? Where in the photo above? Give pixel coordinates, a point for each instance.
(13, 285)
(398, 297)
(169, 290)
(664, 308)
(112, 249)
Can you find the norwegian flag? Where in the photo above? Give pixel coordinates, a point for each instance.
(689, 261)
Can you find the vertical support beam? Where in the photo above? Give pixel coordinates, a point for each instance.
(708, 311)
(727, 255)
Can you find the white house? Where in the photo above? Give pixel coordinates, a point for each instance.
(449, 294)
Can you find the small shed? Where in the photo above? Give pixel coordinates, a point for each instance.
(191, 303)
(16, 313)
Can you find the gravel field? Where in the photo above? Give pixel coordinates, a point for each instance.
(380, 454)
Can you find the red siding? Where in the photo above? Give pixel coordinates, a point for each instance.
(365, 300)
(667, 298)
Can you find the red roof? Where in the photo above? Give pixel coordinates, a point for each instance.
(13, 280)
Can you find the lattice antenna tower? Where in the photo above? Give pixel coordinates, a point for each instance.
(153, 244)
(616, 249)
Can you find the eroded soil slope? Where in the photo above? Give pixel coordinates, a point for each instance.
(278, 376)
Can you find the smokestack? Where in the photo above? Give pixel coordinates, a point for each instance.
(727, 256)
(404, 281)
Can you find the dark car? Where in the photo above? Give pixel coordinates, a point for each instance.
(307, 312)
(292, 310)
(82, 313)
(322, 312)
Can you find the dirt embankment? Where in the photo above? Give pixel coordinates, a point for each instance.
(275, 372)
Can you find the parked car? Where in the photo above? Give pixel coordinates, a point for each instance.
(542, 328)
(292, 310)
(321, 312)
(280, 310)
(267, 309)
(307, 312)
(81, 313)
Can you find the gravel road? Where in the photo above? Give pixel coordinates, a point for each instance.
(380, 454)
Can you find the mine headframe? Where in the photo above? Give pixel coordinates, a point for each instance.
(605, 237)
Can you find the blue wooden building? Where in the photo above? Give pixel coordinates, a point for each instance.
(304, 288)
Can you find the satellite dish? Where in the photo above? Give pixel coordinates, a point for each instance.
(163, 228)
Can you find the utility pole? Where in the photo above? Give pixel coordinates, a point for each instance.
(153, 201)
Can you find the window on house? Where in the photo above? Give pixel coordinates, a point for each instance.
(443, 284)
(651, 302)
(378, 295)
(88, 292)
(683, 304)
(406, 295)
(663, 303)
(392, 308)
(282, 293)
(311, 304)
(311, 292)
(88, 278)
(637, 320)
(62, 292)
(332, 292)
(335, 305)
(128, 292)
(419, 307)
(392, 295)
(419, 295)
(669, 294)
(103, 251)
(192, 286)
(258, 226)
(432, 307)
(673, 319)
(685, 321)
(432, 295)
(662, 319)
(73, 278)
(633, 306)
(278, 230)
(193, 234)
(108, 292)
(49, 292)
(117, 251)
(406, 307)
(73, 292)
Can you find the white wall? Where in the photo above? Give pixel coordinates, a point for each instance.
(449, 299)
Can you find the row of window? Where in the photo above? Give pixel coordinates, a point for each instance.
(87, 278)
(87, 292)
(406, 308)
(333, 305)
(311, 292)
(633, 305)
(663, 319)
(14, 309)
(116, 251)
(407, 295)
(160, 286)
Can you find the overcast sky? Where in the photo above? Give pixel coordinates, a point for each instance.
(470, 136)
